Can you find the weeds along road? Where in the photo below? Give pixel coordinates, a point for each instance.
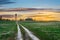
(29, 33)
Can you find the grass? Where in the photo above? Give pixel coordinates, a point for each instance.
(44, 30)
(7, 30)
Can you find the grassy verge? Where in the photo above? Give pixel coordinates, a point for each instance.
(7, 30)
(44, 30)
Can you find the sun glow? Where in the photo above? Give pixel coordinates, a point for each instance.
(35, 15)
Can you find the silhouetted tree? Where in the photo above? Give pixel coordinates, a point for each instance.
(21, 20)
(29, 19)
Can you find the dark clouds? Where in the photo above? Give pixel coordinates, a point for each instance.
(2, 2)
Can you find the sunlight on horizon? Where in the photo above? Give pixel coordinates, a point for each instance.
(35, 15)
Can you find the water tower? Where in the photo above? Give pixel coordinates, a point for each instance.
(15, 17)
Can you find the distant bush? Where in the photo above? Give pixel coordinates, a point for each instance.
(28, 19)
(21, 20)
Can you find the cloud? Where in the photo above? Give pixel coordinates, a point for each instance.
(2, 2)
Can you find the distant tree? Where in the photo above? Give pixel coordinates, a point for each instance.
(0, 17)
(21, 20)
(28, 19)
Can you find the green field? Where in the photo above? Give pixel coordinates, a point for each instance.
(44, 30)
(7, 30)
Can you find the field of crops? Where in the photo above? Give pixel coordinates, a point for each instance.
(7, 30)
(44, 30)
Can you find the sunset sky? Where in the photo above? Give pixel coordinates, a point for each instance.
(36, 15)
(32, 4)
(44, 15)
